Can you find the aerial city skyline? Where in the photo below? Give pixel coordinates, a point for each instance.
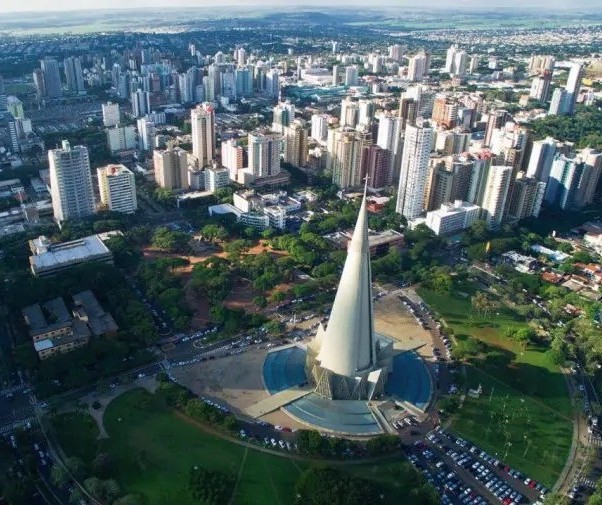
(301, 254)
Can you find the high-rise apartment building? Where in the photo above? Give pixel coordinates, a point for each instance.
(525, 198)
(496, 195)
(140, 103)
(351, 76)
(52, 78)
(74, 75)
(295, 143)
(497, 119)
(283, 116)
(117, 188)
(264, 153)
(319, 127)
(349, 113)
(417, 67)
(558, 103)
(272, 83)
(121, 138)
(202, 120)
(232, 157)
(71, 182)
(396, 52)
(110, 114)
(540, 161)
(481, 165)
(590, 177)
(417, 148)
(573, 86)
(343, 157)
(376, 166)
(40, 85)
(171, 169)
(540, 87)
(366, 110)
(146, 133)
(541, 64)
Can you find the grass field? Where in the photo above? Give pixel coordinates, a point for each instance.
(525, 411)
(153, 449)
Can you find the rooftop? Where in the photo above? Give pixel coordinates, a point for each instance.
(48, 256)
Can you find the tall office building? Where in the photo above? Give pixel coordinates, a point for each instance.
(343, 157)
(202, 120)
(496, 195)
(232, 157)
(283, 116)
(117, 188)
(52, 78)
(140, 103)
(540, 161)
(349, 113)
(71, 182)
(264, 153)
(295, 143)
(110, 114)
(376, 166)
(74, 74)
(146, 133)
(417, 148)
(351, 76)
(171, 169)
(319, 127)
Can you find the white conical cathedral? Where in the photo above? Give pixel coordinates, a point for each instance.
(345, 360)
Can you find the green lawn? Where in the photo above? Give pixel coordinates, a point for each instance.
(153, 449)
(529, 399)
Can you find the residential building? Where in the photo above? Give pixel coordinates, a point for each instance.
(417, 148)
(295, 143)
(376, 166)
(559, 102)
(264, 153)
(110, 114)
(542, 156)
(232, 157)
(284, 114)
(140, 103)
(171, 168)
(343, 157)
(496, 194)
(146, 133)
(49, 259)
(74, 75)
(71, 182)
(52, 78)
(526, 198)
(496, 120)
(319, 127)
(121, 138)
(540, 87)
(417, 67)
(563, 182)
(539, 64)
(573, 86)
(202, 120)
(117, 188)
(351, 76)
(349, 113)
(452, 217)
(216, 177)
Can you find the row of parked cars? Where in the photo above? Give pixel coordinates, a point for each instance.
(450, 486)
(483, 466)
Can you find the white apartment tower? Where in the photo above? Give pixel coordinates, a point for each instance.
(117, 188)
(232, 158)
(496, 194)
(146, 133)
(295, 143)
(110, 114)
(71, 182)
(202, 120)
(319, 127)
(264, 153)
(414, 170)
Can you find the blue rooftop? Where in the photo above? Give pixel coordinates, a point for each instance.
(410, 380)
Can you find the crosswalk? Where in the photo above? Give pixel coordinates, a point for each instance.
(594, 441)
(587, 482)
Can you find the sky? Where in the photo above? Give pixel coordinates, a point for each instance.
(54, 5)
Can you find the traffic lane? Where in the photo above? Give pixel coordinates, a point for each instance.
(516, 484)
(16, 406)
